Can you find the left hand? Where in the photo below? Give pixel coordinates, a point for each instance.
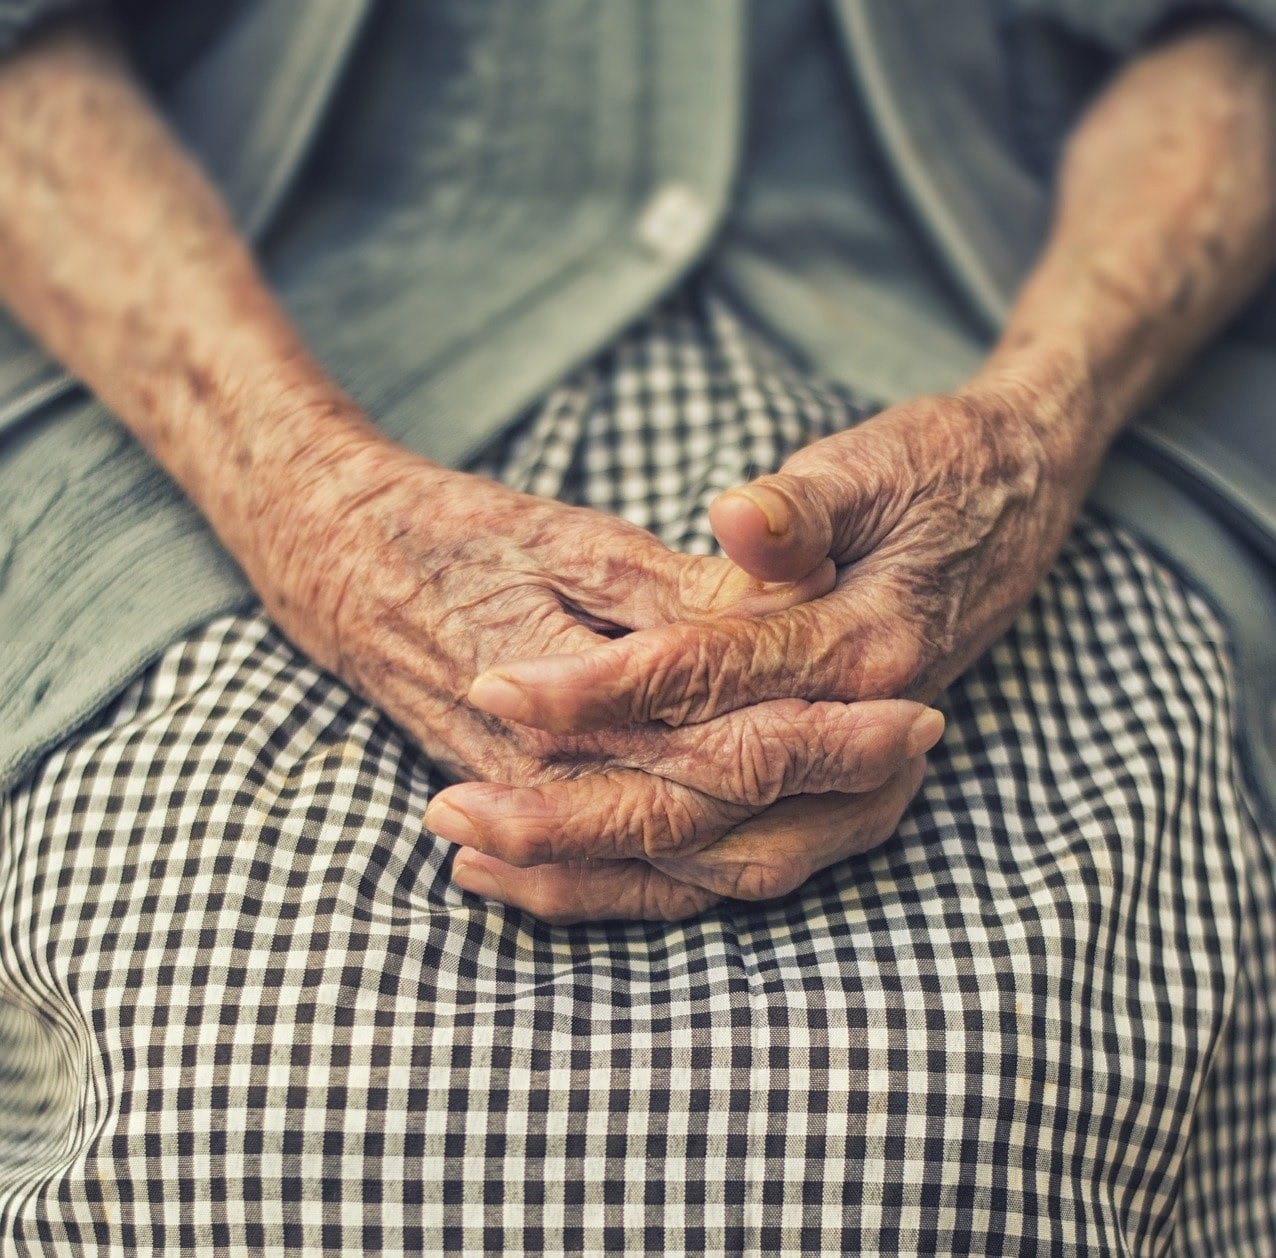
(941, 516)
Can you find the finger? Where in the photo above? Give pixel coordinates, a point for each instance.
(826, 504)
(776, 528)
(780, 527)
(682, 673)
(702, 783)
(764, 752)
(615, 814)
(644, 584)
(771, 854)
(699, 586)
(582, 891)
(744, 866)
(675, 588)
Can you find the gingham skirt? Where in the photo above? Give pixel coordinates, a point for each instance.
(243, 1008)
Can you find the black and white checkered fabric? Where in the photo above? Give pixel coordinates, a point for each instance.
(243, 1008)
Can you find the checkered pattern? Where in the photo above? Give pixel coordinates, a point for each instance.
(243, 1008)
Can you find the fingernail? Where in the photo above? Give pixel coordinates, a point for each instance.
(499, 696)
(473, 878)
(924, 733)
(448, 821)
(771, 505)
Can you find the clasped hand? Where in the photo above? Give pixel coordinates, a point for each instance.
(638, 733)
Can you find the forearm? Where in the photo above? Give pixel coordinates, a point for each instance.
(1165, 223)
(119, 256)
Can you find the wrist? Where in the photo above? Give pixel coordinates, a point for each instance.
(1050, 396)
(290, 479)
(1082, 344)
(326, 494)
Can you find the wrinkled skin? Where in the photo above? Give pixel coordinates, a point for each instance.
(941, 516)
(428, 578)
(408, 580)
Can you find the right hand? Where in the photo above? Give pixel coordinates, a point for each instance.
(407, 581)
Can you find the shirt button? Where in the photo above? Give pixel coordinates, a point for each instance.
(673, 221)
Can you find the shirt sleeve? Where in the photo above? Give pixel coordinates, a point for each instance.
(19, 18)
(1120, 26)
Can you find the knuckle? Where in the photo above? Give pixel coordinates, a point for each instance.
(766, 878)
(526, 847)
(898, 667)
(684, 682)
(665, 899)
(864, 754)
(762, 768)
(808, 647)
(669, 827)
(844, 769)
(888, 666)
(715, 667)
(793, 749)
(552, 905)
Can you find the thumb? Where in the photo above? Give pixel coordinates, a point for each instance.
(779, 527)
(697, 586)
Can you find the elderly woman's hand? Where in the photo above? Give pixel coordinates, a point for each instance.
(941, 516)
(408, 581)
(766, 855)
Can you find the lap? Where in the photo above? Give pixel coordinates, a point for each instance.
(243, 1004)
